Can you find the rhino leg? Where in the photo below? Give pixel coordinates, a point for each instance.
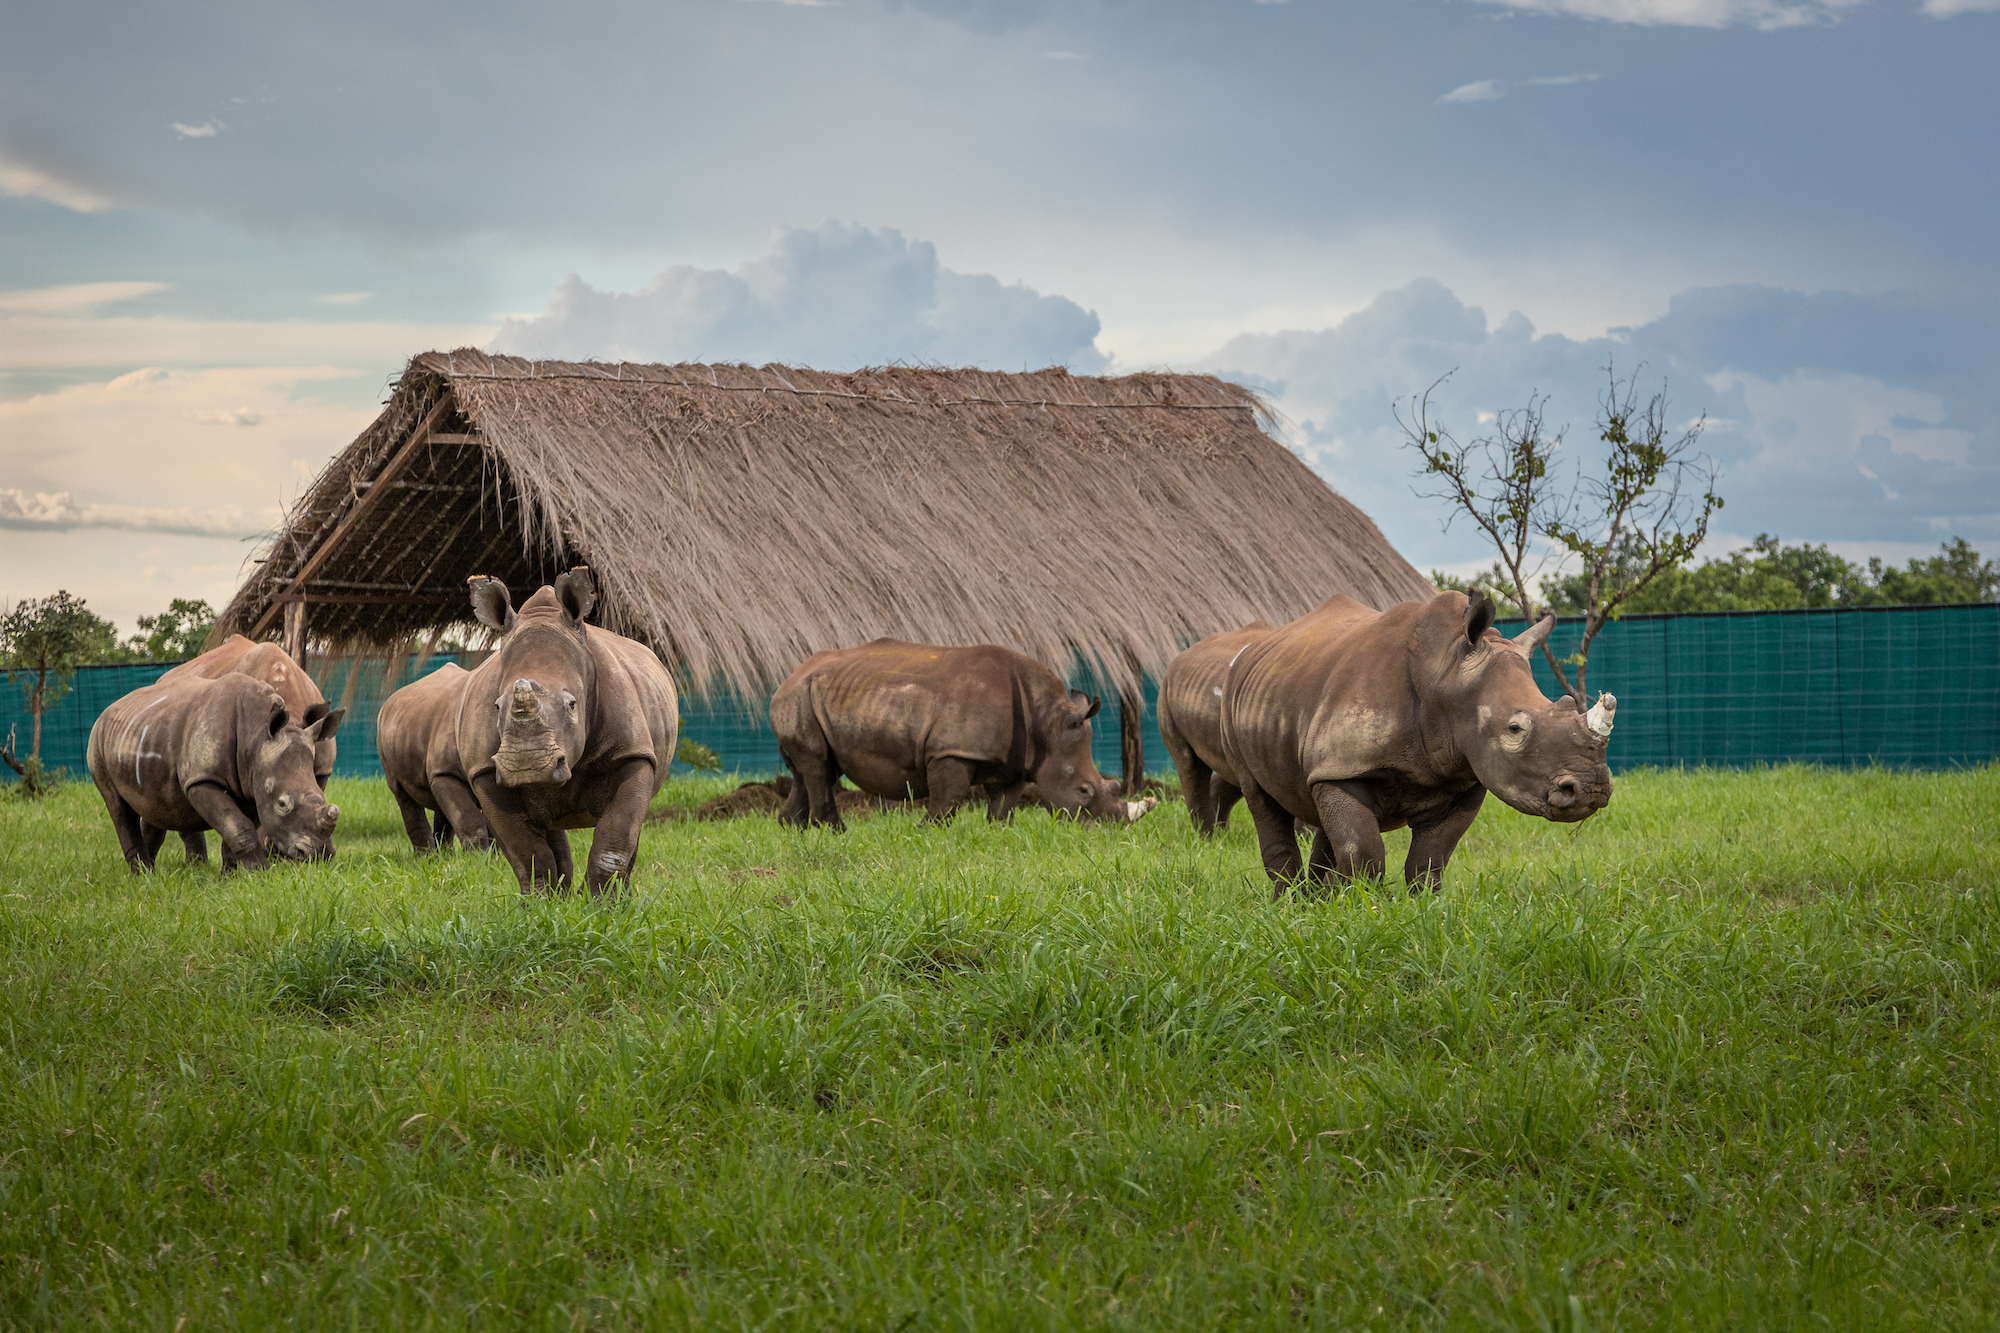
(1195, 776)
(949, 782)
(558, 840)
(1001, 801)
(125, 822)
(240, 843)
(461, 812)
(797, 809)
(441, 831)
(1431, 845)
(195, 844)
(154, 836)
(526, 847)
(614, 846)
(416, 825)
(1353, 839)
(1227, 794)
(1276, 842)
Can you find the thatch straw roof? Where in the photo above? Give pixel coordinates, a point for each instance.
(740, 518)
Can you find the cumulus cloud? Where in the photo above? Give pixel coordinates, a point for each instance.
(1944, 9)
(58, 512)
(206, 130)
(833, 297)
(1832, 415)
(1763, 14)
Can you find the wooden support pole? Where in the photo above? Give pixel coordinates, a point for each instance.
(360, 510)
(1132, 740)
(297, 621)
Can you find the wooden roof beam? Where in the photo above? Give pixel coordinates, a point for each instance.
(362, 508)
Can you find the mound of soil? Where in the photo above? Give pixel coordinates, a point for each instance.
(767, 798)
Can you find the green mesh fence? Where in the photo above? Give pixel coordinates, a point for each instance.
(1914, 686)
(1906, 686)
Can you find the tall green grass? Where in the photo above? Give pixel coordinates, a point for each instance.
(1722, 1056)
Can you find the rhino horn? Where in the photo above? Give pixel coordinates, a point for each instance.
(330, 818)
(1600, 716)
(524, 699)
(1535, 635)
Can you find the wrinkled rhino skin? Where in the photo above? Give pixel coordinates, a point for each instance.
(272, 666)
(193, 754)
(1190, 713)
(1357, 721)
(913, 721)
(416, 735)
(566, 726)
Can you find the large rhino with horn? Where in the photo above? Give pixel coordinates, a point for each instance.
(1356, 721)
(1190, 713)
(416, 736)
(565, 726)
(226, 754)
(270, 665)
(909, 721)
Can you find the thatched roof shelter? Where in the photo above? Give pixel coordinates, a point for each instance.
(741, 518)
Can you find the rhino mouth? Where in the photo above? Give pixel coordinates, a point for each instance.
(529, 766)
(1570, 799)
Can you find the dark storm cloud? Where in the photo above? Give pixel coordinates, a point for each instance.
(1838, 143)
(834, 297)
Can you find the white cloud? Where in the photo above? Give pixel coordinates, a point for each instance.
(831, 297)
(58, 512)
(1944, 9)
(206, 130)
(226, 416)
(1561, 80)
(175, 450)
(26, 182)
(75, 299)
(1764, 14)
(31, 341)
(345, 298)
(1485, 90)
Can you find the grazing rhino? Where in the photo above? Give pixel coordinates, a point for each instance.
(913, 721)
(1356, 721)
(272, 665)
(416, 735)
(1191, 724)
(225, 754)
(565, 726)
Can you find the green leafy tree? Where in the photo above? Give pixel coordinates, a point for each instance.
(1955, 574)
(177, 632)
(1768, 575)
(1638, 515)
(42, 642)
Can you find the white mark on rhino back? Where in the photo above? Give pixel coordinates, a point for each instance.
(1218, 691)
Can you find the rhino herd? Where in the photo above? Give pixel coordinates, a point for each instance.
(1347, 722)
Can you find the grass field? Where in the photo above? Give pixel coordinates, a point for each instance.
(1724, 1056)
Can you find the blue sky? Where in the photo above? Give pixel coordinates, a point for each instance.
(223, 227)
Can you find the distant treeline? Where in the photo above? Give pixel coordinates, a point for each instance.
(1770, 576)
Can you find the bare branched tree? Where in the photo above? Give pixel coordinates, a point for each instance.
(1643, 514)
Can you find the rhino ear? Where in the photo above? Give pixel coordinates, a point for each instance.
(577, 591)
(490, 602)
(1478, 617)
(279, 719)
(1083, 707)
(322, 721)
